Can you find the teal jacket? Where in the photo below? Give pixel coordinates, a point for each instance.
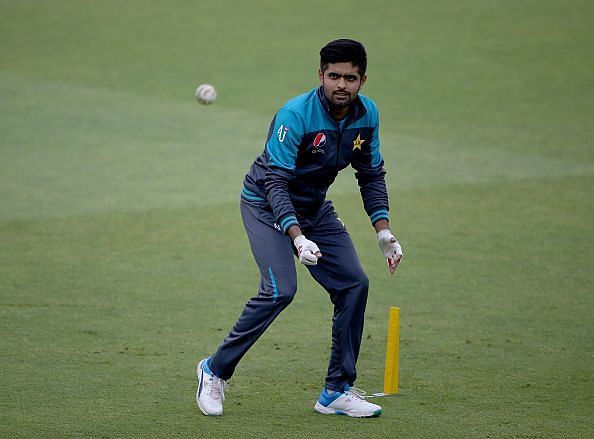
(306, 148)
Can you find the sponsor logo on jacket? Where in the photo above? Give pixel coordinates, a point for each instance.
(318, 144)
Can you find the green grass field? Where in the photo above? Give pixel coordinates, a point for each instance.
(123, 260)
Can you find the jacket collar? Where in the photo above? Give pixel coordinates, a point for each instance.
(356, 109)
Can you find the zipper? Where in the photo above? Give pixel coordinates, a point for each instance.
(338, 145)
(346, 124)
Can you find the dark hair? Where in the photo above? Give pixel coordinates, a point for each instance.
(344, 50)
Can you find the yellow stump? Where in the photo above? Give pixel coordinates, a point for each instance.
(391, 371)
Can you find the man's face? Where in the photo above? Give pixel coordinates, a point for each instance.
(341, 82)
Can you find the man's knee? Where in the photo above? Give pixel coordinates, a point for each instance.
(363, 281)
(285, 293)
(363, 288)
(354, 288)
(358, 281)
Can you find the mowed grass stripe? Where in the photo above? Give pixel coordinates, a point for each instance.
(125, 152)
(93, 150)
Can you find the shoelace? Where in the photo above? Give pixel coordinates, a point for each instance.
(357, 393)
(217, 388)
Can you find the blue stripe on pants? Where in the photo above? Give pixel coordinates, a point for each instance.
(274, 288)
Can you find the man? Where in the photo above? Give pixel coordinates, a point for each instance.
(285, 214)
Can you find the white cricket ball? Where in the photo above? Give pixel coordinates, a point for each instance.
(206, 94)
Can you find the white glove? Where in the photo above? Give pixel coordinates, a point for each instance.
(307, 250)
(390, 248)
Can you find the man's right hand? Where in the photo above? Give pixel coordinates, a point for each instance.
(307, 250)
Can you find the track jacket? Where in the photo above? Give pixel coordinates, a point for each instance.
(306, 147)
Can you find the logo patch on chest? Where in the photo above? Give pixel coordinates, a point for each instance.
(358, 142)
(318, 143)
(320, 140)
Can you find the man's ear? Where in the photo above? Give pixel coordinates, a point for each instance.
(321, 76)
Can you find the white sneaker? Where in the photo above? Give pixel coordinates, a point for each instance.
(350, 402)
(211, 390)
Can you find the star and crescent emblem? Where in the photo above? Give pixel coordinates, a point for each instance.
(358, 142)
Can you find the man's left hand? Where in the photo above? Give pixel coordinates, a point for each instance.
(390, 248)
